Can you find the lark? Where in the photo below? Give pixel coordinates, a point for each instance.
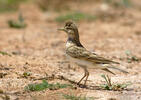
(78, 54)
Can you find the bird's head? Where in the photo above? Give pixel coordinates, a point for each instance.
(71, 29)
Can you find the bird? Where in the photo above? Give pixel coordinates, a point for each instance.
(78, 54)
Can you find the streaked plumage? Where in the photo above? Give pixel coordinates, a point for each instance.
(84, 58)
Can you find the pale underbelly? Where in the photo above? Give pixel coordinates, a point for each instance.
(84, 63)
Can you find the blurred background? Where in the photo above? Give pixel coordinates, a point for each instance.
(62, 10)
(31, 47)
(99, 18)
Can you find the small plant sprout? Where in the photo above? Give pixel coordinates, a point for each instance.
(45, 85)
(17, 24)
(131, 57)
(4, 53)
(26, 74)
(110, 86)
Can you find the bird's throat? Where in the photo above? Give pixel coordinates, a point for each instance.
(75, 41)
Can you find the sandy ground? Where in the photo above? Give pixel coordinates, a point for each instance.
(40, 49)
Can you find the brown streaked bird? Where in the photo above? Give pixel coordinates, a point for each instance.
(76, 53)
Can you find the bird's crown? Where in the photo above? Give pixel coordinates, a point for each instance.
(70, 25)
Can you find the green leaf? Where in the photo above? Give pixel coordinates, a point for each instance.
(45, 85)
(26, 74)
(19, 23)
(115, 87)
(4, 53)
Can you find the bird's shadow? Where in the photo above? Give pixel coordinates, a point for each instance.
(90, 87)
(81, 85)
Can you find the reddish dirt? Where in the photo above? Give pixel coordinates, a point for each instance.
(40, 49)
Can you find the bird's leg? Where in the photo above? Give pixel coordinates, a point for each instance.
(82, 78)
(87, 75)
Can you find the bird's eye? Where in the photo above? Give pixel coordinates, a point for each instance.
(69, 25)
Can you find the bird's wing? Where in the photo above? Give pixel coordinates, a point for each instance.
(82, 53)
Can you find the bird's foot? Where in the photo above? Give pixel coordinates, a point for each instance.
(81, 85)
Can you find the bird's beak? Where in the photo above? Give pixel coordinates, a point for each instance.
(62, 29)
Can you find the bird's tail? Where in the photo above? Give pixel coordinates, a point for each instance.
(113, 67)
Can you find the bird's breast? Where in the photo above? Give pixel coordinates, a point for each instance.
(69, 44)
